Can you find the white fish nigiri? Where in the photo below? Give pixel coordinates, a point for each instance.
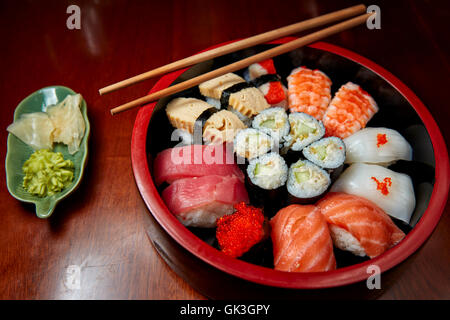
(35, 129)
(391, 191)
(377, 145)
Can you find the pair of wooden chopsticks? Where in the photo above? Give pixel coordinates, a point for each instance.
(242, 44)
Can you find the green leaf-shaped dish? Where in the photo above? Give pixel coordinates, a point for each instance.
(19, 152)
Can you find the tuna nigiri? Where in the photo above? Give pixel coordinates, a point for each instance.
(194, 161)
(358, 225)
(349, 111)
(301, 240)
(199, 202)
(309, 91)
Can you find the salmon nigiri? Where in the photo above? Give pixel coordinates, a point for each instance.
(359, 225)
(301, 240)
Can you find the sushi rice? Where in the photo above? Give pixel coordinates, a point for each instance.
(268, 172)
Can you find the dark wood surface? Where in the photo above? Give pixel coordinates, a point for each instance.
(102, 227)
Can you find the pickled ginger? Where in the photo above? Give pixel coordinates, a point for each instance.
(68, 121)
(35, 129)
(63, 123)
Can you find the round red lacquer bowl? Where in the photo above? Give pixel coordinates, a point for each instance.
(400, 109)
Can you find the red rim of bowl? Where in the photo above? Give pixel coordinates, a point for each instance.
(343, 276)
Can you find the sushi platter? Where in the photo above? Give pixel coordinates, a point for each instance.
(241, 152)
(281, 194)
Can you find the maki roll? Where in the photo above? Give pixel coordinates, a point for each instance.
(267, 175)
(251, 143)
(273, 121)
(304, 130)
(268, 171)
(328, 153)
(306, 182)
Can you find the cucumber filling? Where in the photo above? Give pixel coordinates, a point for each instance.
(320, 152)
(263, 169)
(302, 176)
(302, 130)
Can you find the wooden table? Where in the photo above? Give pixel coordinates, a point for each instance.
(101, 228)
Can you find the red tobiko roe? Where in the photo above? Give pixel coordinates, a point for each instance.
(381, 139)
(238, 232)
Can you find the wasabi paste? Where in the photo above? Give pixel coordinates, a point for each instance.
(47, 173)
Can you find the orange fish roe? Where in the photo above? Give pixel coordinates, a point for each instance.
(381, 139)
(238, 232)
(309, 91)
(383, 186)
